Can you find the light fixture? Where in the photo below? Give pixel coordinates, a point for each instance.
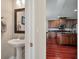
(23, 2)
(75, 10)
(58, 16)
(20, 2)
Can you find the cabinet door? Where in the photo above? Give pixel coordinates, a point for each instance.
(53, 23)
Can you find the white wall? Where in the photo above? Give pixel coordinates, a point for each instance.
(57, 8)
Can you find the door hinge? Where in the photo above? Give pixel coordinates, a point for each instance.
(31, 44)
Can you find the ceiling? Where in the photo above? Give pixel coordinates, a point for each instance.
(58, 8)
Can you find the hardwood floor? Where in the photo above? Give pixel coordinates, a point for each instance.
(55, 51)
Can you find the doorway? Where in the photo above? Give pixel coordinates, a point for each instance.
(62, 29)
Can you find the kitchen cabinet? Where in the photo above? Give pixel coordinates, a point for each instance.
(56, 23)
(67, 38)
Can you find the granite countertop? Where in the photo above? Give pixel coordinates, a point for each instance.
(66, 30)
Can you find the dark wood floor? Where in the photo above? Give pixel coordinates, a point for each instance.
(55, 51)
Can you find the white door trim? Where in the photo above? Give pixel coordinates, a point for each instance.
(27, 29)
(35, 30)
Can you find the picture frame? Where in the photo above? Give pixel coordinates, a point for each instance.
(19, 23)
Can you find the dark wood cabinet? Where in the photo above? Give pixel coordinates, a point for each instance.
(67, 39)
(56, 23)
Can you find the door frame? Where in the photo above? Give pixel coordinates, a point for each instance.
(35, 29)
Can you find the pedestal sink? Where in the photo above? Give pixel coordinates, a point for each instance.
(18, 44)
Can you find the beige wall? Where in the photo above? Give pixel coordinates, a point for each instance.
(15, 6)
(7, 12)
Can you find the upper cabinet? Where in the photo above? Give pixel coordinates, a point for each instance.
(68, 23)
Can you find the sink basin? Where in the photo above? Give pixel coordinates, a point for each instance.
(17, 42)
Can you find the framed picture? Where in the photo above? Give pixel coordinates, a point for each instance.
(19, 20)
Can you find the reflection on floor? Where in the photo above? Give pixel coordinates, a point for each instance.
(55, 51)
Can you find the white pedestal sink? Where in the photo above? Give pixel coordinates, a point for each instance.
(18, 44)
